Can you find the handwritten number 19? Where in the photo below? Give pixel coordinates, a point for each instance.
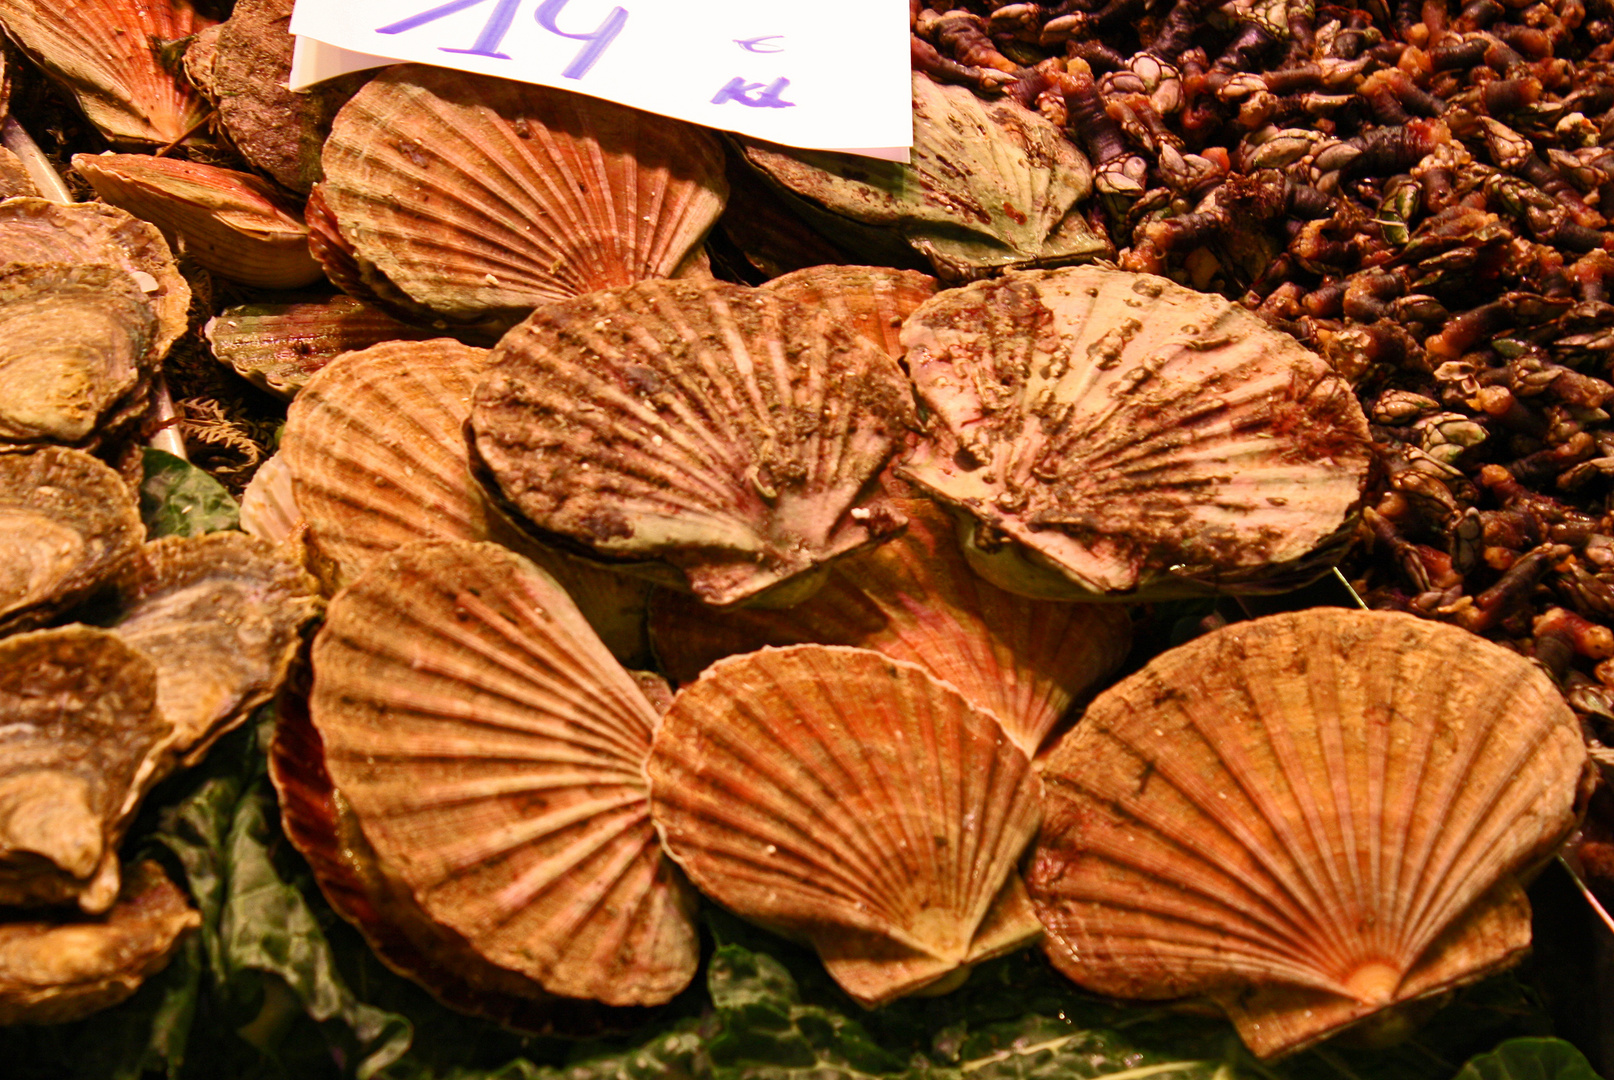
(504, 13)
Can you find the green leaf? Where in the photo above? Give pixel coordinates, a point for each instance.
(1529, 1059)
(178, 499)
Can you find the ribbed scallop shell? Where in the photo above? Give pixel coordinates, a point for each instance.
(854, 800)
(492, 750)
(871, 300)
(378, 459)
(1137, 438)
(914, 598)
(80, 736)
(482, 198)
(1308, 817)
(726, 431)
(66, 522)
(992, 185)
(221, 617)
(106, 52)
(269, 504)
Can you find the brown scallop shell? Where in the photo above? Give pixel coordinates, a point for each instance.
(726, 431)
(481, 198)
(492, 752)
(915, 599)
(53, 971)
(854, 800)
(874, 301)
(108, 53)
(233, 223)
(1132, 437)
(75, 344)
(221, 617)
(269, 506)
(80, 738)
(1309, 818)
(42, 231)
(66, 522)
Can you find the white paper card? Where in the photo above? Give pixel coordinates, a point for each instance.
(831, 75)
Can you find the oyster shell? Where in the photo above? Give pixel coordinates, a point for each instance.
(915, 599)
(80, 738)
(726, 431)
(220, 616)
(14, 178)
(75, 343)
(1308, 817)
(854, 800)
(492, 751)
(66, 522)
(1132, 437)
(233, 223)
(53, 971)
(481, 198)
(992, 186)
(871, 300)
(108, 54)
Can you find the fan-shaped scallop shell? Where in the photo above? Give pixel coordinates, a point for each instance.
(66, 522)
(1307, 817)
(376, 447)
(1136, 437)
(914, 598)
(221, 617)
(724, 430)
(107, 53)
(872, 300)
(269, 505)
(492, 750)
(852, 799)
(481, 197)
(80, 738)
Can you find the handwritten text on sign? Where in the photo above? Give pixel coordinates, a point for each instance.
(830, 75)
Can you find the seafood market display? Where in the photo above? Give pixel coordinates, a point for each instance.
(661, 521)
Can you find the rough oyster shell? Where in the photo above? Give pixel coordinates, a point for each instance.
(66, 522)
(726, 431)
(915, 599)
(492, 751)
(233, 223)
(871, 300)
(75, 343)
(108, 55)
(1307, 817)
(481, 198)
(854, 800)
(34, 230)
(55, 971)
(14, 178)
(221, 617)
(80, 735)
(1133, 437)
(992, 186)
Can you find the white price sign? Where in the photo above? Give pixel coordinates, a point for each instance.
(831, 75)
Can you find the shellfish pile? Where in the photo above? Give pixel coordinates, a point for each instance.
(704, 523)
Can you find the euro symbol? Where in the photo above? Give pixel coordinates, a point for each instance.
(756, 44)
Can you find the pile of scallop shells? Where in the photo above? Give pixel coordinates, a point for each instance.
(799, 595)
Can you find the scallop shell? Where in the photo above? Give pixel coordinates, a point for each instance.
(79, 739)
(915, 599)
(108, 53)
(378, 459)
(75, 342)
(492, 751)
(233, 223)
(53, 971)
(1308, 817)
(874, 301)
(723, 430)
(1134, 437)
(221, 617)
(42, 231)
(992, 185)
(269, 504)
(482, 198)
(66, 522)
(854, 800)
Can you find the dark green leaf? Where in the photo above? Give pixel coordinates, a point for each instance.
(1529, 1059)
(178, 499)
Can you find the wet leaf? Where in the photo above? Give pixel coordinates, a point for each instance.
(178, 499)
